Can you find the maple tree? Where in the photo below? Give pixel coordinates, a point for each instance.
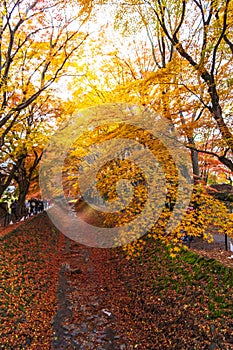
(181, 96)
(38, 41)
(206, 210)
(200, 32)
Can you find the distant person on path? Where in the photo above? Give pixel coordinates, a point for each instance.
(32, 206)
(40, 206)
(36, 205)
(13, 208)
(27, 208)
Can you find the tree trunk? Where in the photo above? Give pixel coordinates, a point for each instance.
(194, 152)
(195, 164)
(23, 191)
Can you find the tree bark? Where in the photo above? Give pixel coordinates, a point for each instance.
(23, 191)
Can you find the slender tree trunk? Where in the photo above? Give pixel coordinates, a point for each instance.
(195, 164)
(23, 191)
(194, 152)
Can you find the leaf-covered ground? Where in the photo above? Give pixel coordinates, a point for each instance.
(184, 303)
(29, 265)
(57, 294)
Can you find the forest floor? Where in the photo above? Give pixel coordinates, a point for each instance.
(58, 294)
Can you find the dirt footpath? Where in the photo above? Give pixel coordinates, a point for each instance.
(88, 297)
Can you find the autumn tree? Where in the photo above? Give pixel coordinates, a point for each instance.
(200, 32)
(38, 41)
(177, 89)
